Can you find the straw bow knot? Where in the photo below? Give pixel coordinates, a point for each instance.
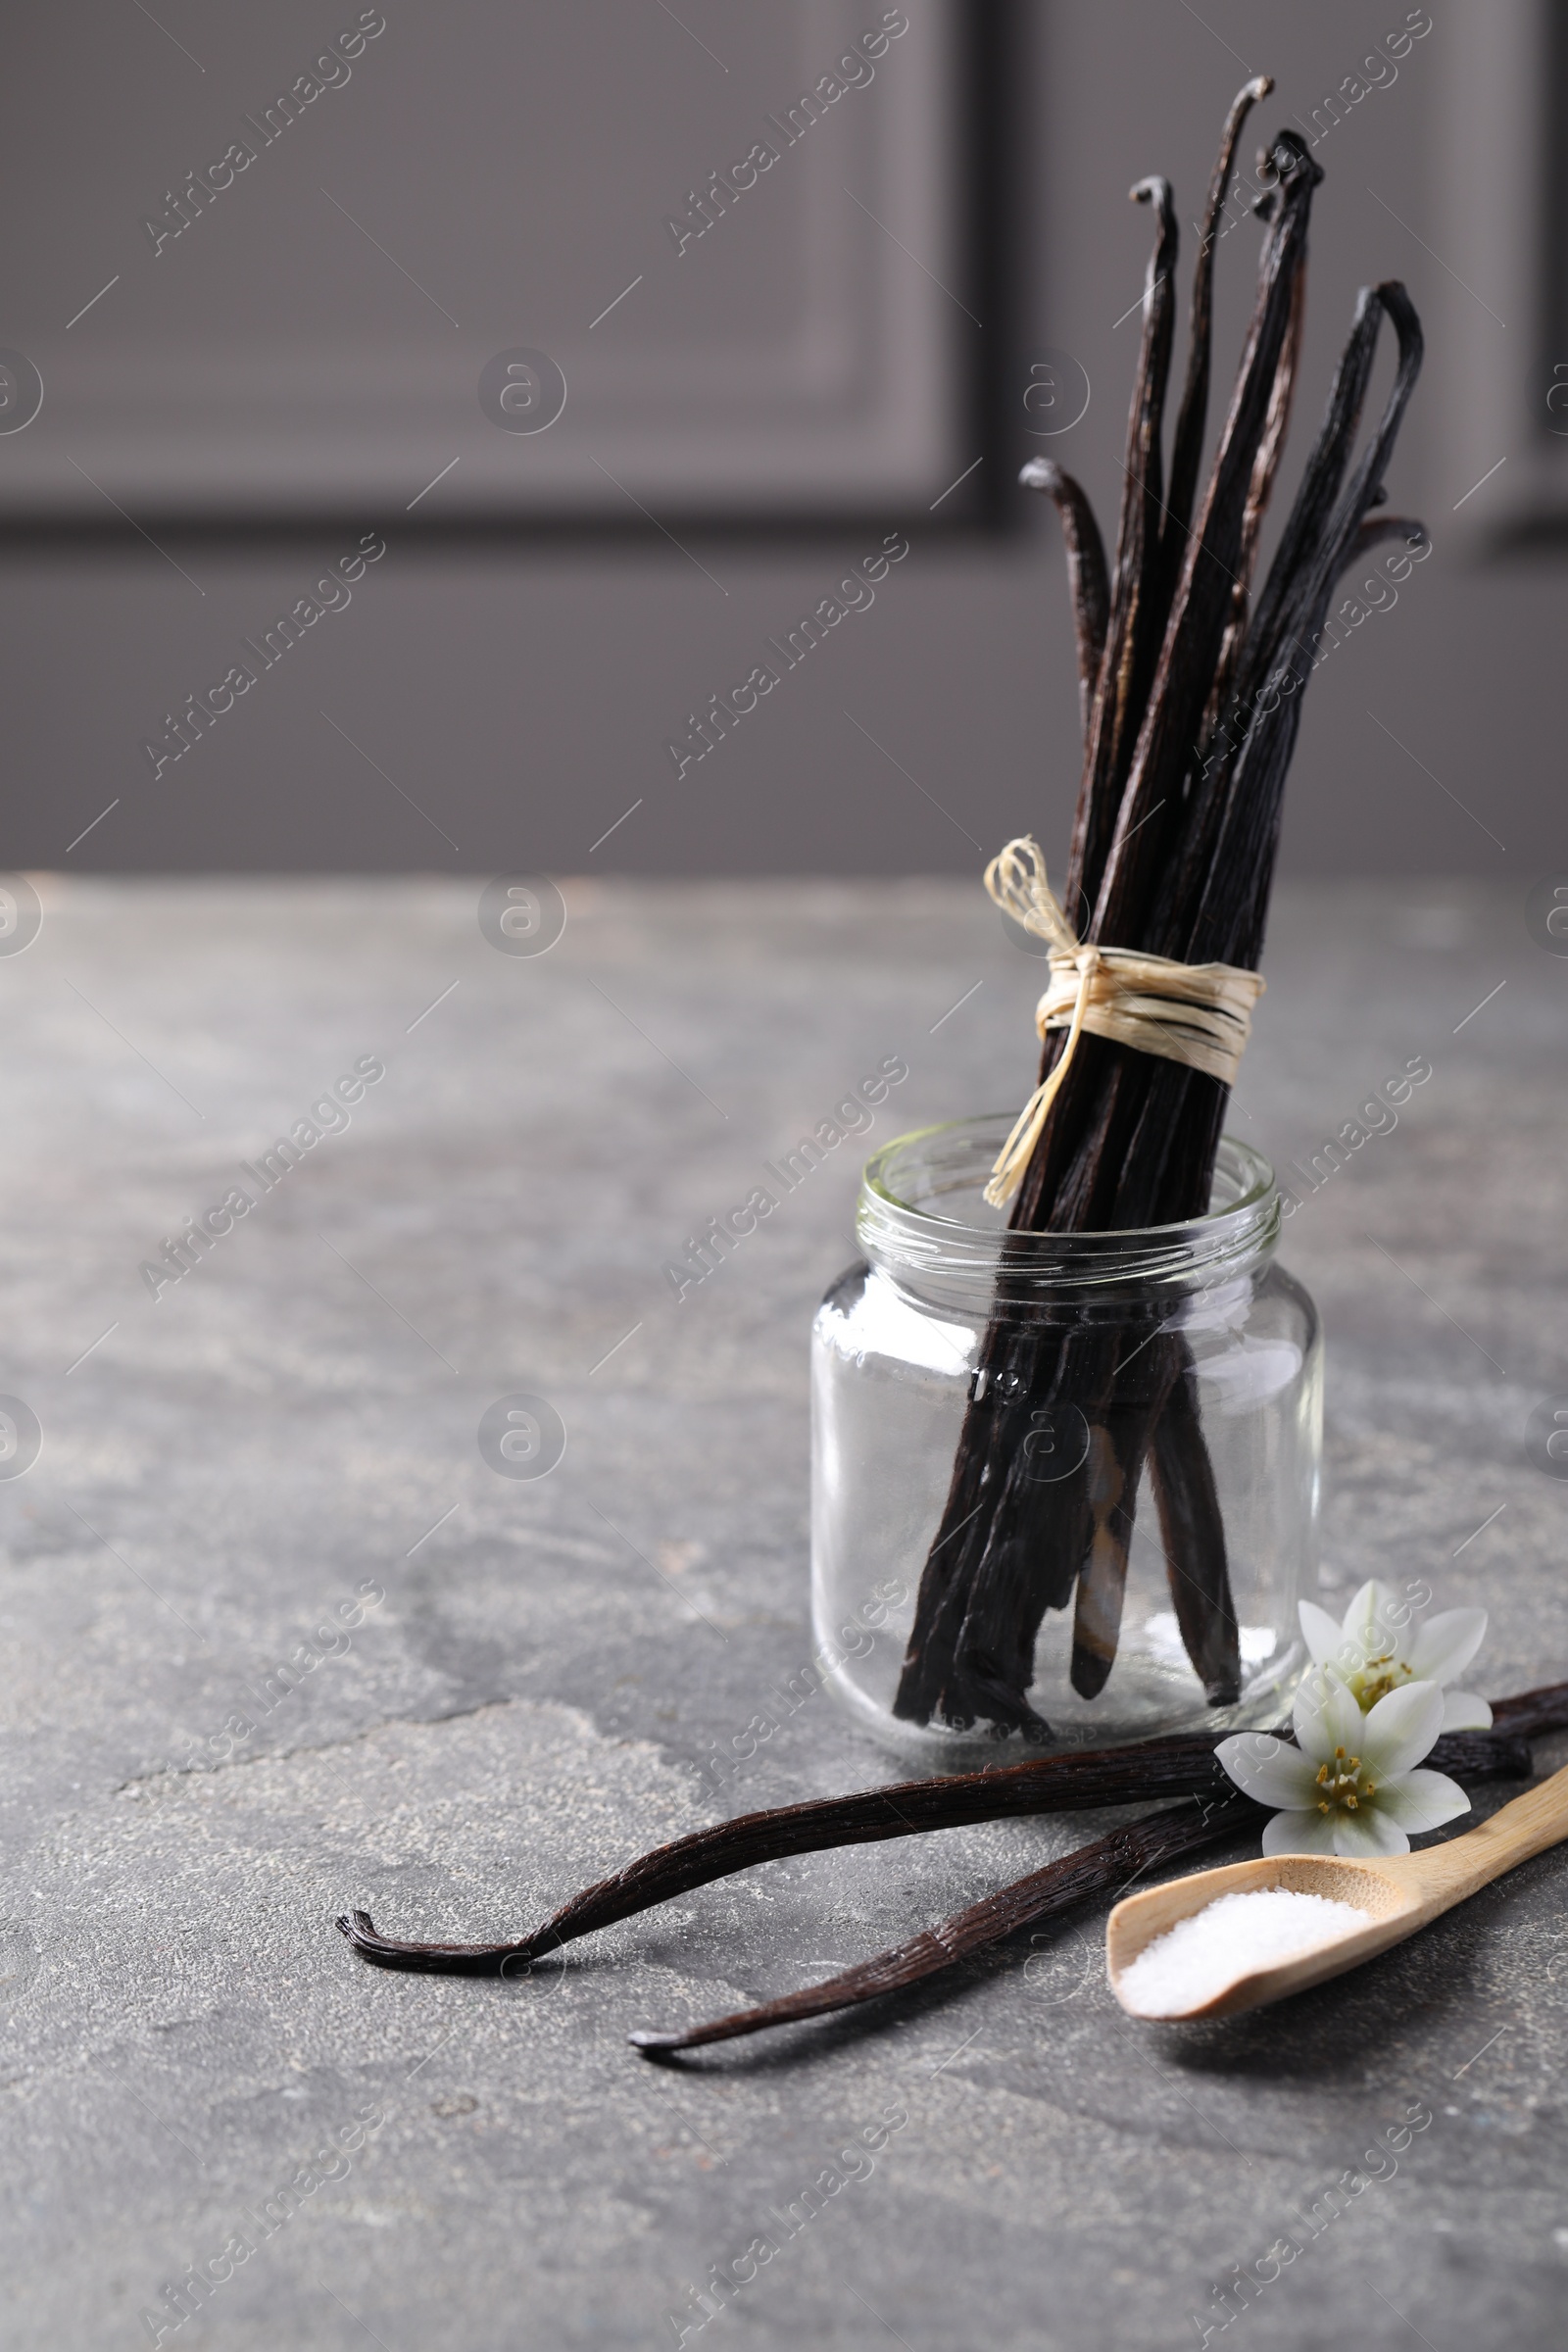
(1196, 1013)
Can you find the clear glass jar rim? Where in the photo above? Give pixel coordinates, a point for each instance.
(909, 1237)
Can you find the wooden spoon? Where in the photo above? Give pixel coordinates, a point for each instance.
(1402, 1893)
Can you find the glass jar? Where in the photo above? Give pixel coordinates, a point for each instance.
(1064, 1486)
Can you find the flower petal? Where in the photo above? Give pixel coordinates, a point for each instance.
(1298, 1834)
(1323, 1637)
(1401, 1729)
(1270, 1769)
(1370, 1622)
(1327, 1717)
(1446, 1645)
(1462, 1711)
(1422, 1800)
(1368, 1832)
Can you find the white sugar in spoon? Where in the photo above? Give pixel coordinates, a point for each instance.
(1400, 1894)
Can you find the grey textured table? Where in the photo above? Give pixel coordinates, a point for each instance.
(531, 1702)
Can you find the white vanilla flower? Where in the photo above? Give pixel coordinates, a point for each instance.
(1377, 1649)
(1350, 1787)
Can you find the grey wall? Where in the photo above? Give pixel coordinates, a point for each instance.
(520, 697)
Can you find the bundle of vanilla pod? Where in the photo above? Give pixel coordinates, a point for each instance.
(1191, 692)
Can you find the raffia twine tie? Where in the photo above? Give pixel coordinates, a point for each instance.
(1196, 1013)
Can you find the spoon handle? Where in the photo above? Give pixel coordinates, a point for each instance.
(1447, 1874)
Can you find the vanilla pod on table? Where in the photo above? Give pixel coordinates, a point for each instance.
(1149, 1770)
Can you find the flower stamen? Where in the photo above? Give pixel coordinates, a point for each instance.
(1344, 1789)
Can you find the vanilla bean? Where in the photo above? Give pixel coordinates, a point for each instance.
(1193, 1532)
(1117, 1441)
(1085, 574)
(1135, 621)
(1153, 1770)
(1149, 1770)
(1230, 925)
(1314, 501)
(1265, 466)
(1145, 508)
(1187, 450)
(1324, 532)
(1330, 537)
(1530, 1714)
(1108, 1867)
(1196, 627)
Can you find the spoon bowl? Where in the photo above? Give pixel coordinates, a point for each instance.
(1372, 1887)
(1400, 1894)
